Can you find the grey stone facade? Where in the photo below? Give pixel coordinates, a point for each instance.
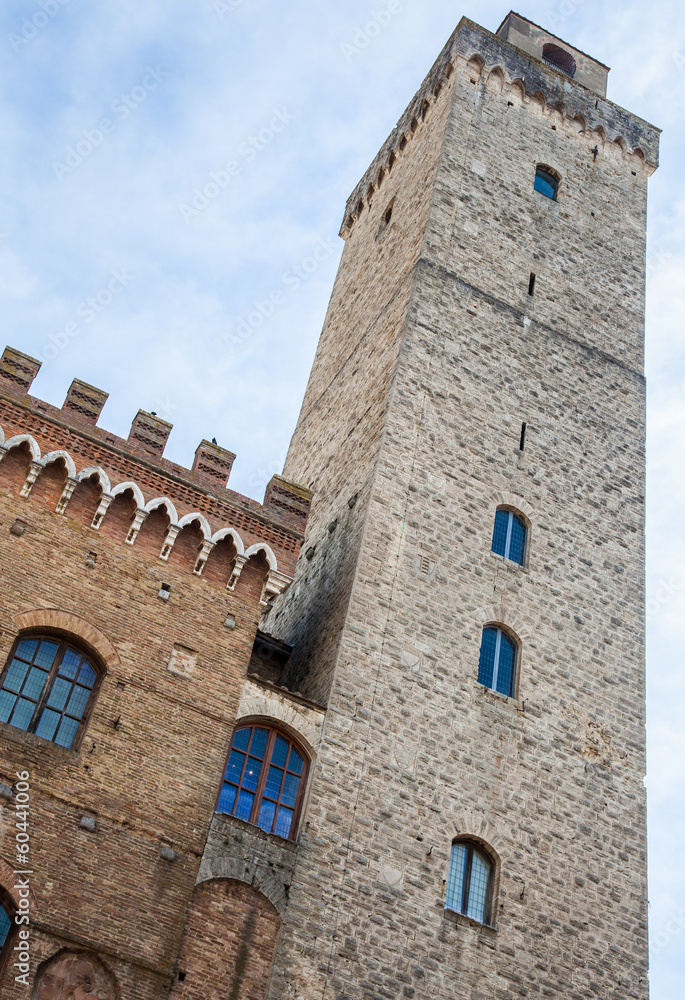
(432, 356)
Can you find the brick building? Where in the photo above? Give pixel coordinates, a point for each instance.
(417, 769)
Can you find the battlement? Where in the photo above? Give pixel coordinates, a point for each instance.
(520, 58)
(44, 438)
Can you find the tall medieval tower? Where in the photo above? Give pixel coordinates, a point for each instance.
(482, 353)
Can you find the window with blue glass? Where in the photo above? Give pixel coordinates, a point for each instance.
(546, 182)
(264, 780)
(497, 665)
(509, 536)
(48, 687)
(470, 882)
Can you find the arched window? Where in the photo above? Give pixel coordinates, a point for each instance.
(546, 182)
(559, 58)
(48, 687)
(264, 780)
(509, 536)
(470, 882)
(497, 665)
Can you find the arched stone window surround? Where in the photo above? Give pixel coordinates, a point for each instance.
(231, 533)
(473, 826)
(55, 456)
(258, 877)
(135, 490)
(499, 616)
(200, 519)
(100, 474)
(267, 550)
(168, 506)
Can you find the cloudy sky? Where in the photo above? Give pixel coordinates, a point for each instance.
(114, 115)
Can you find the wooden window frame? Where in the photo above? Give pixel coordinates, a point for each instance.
(273, 731)
(64, 643)
(472, 846)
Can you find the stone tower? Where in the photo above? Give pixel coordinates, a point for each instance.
(482, 352)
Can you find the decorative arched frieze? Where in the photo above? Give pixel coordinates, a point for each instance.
(71, 624)
(19, 439)
(231, 533)
(200, 519)
(104, 505)
(168, 506)
(267, 550)
(135, 490)
(100, 474)
(67, 494)
(56, 456)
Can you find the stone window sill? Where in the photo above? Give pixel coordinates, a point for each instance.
(486, 931)
(24, 739)
(508, 564)
(511, 705)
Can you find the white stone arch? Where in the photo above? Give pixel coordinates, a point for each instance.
(222, 533)
(2, 436)
(95, 470)
(519, 504)
(188, 519)
(19, 439)
(168, 506)
(55, 456)
(135, 490)
(268, 552)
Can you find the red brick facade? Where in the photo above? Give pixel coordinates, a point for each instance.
(166, 603)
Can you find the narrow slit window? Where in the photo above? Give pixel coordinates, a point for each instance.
(522, 439)
(531, 284)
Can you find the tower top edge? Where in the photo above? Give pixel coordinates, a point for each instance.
(538, 27)
(551, 86)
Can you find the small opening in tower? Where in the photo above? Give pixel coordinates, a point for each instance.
(403, 142)
(531, 284)
(559, 58)
(414, 124)
(522, 442)
(391, 161)
(546, 181)
(388, 215)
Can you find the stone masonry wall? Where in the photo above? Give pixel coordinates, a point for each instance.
(414, 750)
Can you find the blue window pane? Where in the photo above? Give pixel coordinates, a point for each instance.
(26, 649)
(234, 768)
(69, 665)
(59, 694)
(252, 772)
(16, 676)
(244, 806)
(284, 822)
(486, 665)
(241, 740)
(46, 654)
(78, 701)
(478, 888)
(86, 675)
(66, 732)
(545, 184)
(499, 535)
(455, 879)
(23, 710)
(290, 788)
(518, 539)
(273, 782)
(227, 799)
(296, 761)
(35, 682)
(259, 742)
(505, 669)
(5, 924)
(7, 701)
(266, 816)
(280, 751)
(47, 727)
